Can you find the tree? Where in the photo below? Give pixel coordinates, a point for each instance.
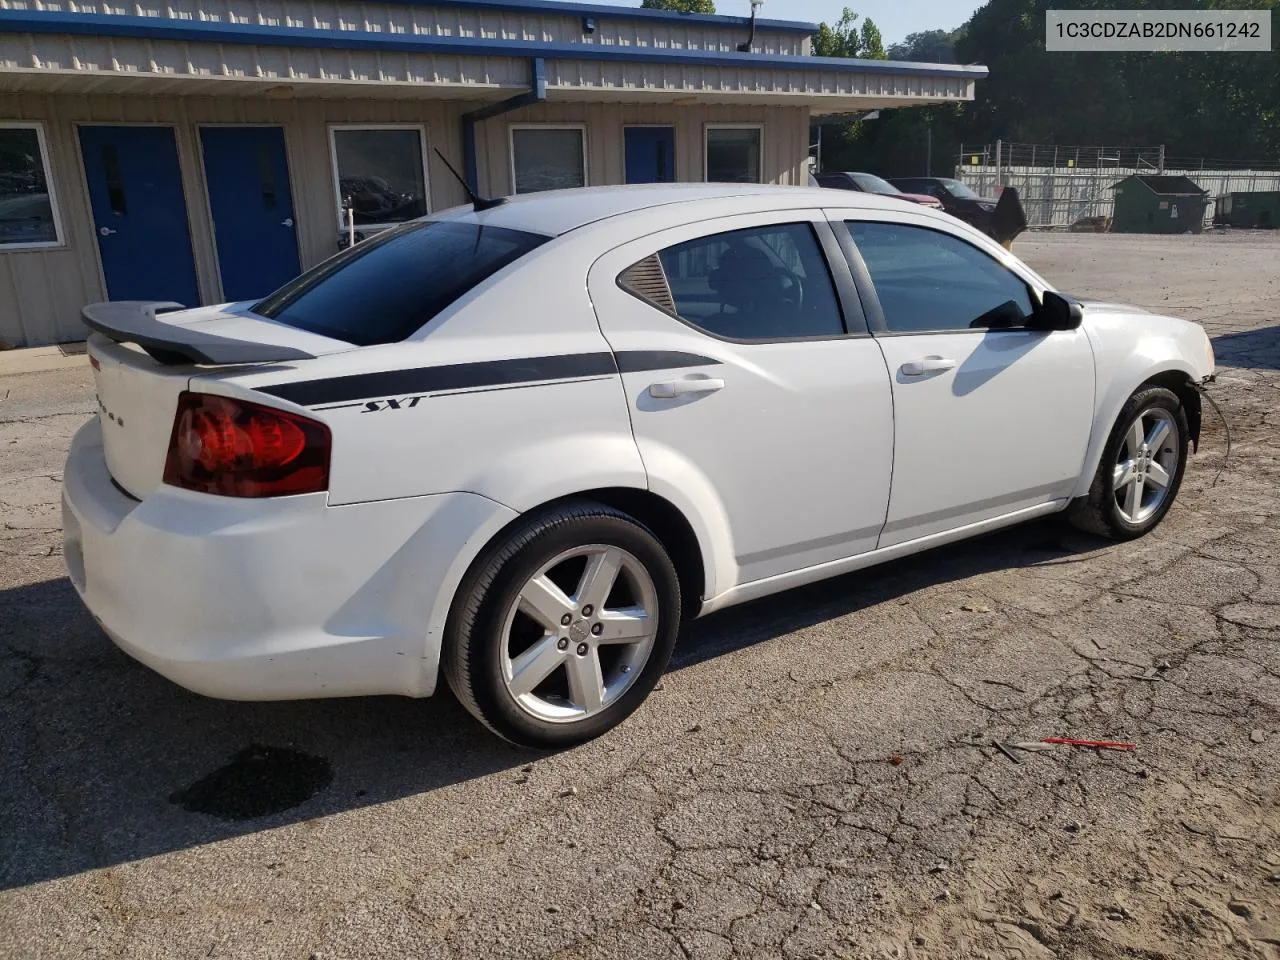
(927, 46)
(846, 39)
(681, 6)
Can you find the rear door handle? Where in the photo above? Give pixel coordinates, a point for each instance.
(681, 388)
(918, 368)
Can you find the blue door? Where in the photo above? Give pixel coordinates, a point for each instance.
(651, 154)
(139, 213)
(248, 178)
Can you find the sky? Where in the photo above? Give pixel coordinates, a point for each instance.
(895, 18)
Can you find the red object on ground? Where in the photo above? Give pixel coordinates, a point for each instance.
(1100, 744)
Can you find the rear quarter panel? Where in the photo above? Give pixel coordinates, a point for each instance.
(520, 444)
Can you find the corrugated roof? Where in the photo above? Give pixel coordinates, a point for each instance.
(1167, 186)
(198, 31)
(635, 13)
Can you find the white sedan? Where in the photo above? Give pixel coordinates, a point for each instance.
(521, 444)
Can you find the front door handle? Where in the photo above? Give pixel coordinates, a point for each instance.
(918, 368)
(681, 388)
(287, 222)
(105, 231)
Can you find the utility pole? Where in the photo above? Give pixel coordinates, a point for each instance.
(928, 150)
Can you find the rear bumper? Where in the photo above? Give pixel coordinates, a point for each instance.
(271, 599)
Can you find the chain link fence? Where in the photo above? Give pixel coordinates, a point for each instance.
(1070, 187)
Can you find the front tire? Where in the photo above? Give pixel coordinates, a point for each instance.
(1141, 468)
(562, 628)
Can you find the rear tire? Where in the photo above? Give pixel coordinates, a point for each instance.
(562, 628)
(1141, 469)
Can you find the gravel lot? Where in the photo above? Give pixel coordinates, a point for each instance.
(813, 777)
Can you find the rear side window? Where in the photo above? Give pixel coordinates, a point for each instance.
(928, 281)
(764, 283)
(385, 288)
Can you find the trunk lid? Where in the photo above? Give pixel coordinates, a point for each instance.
(141, 363)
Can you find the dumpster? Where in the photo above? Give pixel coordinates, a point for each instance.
(1257, 208)
(1158, 204)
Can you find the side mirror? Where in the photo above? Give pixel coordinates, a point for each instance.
(1056, 312)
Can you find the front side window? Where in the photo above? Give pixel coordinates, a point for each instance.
(548, 158)
(929, 281)
(763, 283)
(26, 205)
(733, 154)
(387, 287)
(380, 173)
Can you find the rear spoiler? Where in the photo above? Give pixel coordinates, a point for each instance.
(135, 321)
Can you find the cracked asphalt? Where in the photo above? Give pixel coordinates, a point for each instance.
(814, 777)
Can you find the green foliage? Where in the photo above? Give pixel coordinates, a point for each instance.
(1215, 105)
(927, 46)
(682, 6)
(847, 39)
(1220, 106)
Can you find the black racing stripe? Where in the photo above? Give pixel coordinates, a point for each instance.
(638, 361)
(455, 376)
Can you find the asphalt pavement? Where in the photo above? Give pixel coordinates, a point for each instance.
(814, 777)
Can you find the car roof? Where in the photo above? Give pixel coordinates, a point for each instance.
(555, 212)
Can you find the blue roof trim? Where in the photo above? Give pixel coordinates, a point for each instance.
(619, 13)
(196, 31)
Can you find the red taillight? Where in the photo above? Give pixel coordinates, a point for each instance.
(240, 449)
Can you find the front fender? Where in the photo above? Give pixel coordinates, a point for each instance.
(1130, 349)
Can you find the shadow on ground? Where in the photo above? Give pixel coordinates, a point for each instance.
(100, 758)
(1256, 349)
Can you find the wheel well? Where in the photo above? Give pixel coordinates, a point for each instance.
(1185, 388)
(669, 525)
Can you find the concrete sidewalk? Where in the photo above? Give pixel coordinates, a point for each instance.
(41, 359)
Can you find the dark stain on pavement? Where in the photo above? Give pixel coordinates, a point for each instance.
(259, 780)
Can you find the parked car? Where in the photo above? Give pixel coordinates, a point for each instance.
(956, 198)
(870, 183)
(520, 445)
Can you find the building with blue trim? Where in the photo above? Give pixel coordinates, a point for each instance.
(207, 150)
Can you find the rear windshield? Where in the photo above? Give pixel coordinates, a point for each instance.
(958, 189)
(873, 184)
(383, 289)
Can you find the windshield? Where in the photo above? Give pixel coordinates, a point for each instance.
(383, 289)
(873, 184)
(958, 189)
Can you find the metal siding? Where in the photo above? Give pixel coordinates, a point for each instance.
(46, 288)
(42, 291)
(445, 22)
(784, 145)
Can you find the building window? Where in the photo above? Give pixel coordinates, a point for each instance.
(548, 157)
(380, 173)
(28, 210)
(733, 154)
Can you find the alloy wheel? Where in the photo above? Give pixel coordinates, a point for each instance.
(579, 633)
(1146, 464)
